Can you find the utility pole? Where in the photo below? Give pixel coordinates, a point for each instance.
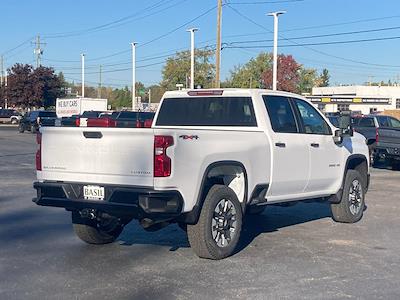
(38, 51)
(5, 99)
(149, 97)
(1, 69)
(192, 31)
(99, 90)
(218, 46)
(83, 74)
(134, 104)
(275, 66)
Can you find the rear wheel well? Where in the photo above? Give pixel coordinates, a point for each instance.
(229, 173)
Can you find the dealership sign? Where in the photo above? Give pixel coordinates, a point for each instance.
(348, 100)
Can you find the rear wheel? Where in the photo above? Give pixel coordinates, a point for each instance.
(97, 231)
(351, 207)
(216, 234)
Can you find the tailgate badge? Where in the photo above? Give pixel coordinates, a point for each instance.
(189, 137)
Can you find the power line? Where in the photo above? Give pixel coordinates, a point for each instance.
(264, 2)
(317, 44)
(118, 22)
(307, 47)
(341, 23)
(322, 35)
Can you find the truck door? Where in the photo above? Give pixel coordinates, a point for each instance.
(325, 155)
(290, 156)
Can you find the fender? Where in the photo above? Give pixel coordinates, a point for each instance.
(336, 198)
(192, 216)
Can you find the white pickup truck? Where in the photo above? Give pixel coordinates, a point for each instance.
(210, 157)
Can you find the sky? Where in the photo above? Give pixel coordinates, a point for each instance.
(360, 38)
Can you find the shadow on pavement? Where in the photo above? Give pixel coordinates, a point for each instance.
(277, 217)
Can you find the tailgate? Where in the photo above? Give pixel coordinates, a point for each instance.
(389, 137)
(98, 155)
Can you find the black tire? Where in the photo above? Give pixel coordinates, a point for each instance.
(350, 210)
(396, 165)
(21, 128)
(200, 235)
(256, 210)
(91, 232)
(33, 129)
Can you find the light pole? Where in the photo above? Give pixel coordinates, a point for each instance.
(134, 105)
(275, 65)
(192, 31)
(83, 74)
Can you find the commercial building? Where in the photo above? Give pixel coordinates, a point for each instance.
(357, 98)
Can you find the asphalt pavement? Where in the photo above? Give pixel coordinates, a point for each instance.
(293, 252)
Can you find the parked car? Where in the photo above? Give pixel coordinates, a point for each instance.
(9, 116)
(123, 119)
(383, 137)
(210, 157)
(34, 119)
(80, 120)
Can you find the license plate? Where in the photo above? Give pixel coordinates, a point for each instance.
(93, 192)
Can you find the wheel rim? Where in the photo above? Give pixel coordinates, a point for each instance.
(355, 197)
(224, 223)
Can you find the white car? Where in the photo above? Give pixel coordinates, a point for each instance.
(210, 157)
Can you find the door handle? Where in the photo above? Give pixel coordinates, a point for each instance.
(315, 145)
(281, 145)
(92, 134)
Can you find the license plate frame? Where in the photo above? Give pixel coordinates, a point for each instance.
(93, 192)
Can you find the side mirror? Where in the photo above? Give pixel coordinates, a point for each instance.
(345, 125)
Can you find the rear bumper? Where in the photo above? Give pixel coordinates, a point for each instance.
(391, 152)
(134, 202)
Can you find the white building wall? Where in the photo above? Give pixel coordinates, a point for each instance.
(391, 92)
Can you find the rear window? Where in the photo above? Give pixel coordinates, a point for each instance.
(366, 122)
(47, 114)
(127, 115)
(207, 111)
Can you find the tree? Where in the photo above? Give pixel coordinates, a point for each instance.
(19, 90)
(157, 92)
(29, 87)
(324, 78)
(288, 76)
(308, 79)
(47, 86)
(177, 69)
(250, 74)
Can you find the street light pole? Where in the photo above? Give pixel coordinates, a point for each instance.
(83, 75)
(134, 104)
(192, 31)
(275, 63)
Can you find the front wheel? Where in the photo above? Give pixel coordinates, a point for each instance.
(351, 207)
(103, 231)
(217, 232)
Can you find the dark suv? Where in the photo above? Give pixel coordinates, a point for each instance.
(33, 120)
(9, 116)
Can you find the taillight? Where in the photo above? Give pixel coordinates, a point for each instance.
(162, 163)
(39, 152)
(376, 135)
(101, 122)
(148, 123)
(78, 122)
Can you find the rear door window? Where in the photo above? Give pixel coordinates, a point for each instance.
(280, 114)
(207, 111)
